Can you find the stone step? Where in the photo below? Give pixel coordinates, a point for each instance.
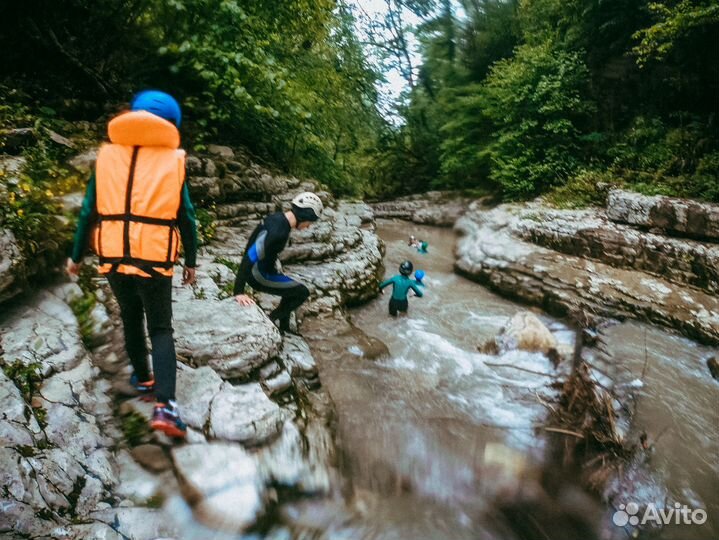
(589, 234)
(681, 217)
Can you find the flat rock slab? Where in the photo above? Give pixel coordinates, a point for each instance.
(297, 357)
(196, 389)
(138, 523)
(245, 414)
(15, 429)
(231, 339)
(222, 483)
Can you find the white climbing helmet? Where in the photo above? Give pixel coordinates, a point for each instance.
(307, 206)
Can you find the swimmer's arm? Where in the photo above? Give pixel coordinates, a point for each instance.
(416, 290)
(386, 283)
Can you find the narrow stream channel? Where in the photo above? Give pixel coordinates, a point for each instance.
(430, 433)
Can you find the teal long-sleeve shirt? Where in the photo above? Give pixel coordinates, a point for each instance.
(401, 286)
(186, 222)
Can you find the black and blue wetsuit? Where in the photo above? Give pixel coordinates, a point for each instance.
(258, 267)
(400, 289)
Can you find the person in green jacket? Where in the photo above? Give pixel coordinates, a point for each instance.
(143, 288)
(401, 285)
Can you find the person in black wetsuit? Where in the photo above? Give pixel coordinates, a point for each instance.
(264, 245)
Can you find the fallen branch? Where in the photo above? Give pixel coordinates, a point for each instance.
(564, 431)
(545, 403)
(520, 368)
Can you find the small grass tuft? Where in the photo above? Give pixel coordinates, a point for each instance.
(134, 428)
(25, 376)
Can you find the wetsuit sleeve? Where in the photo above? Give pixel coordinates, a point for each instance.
(240, 279)
(386, 283)
(88, 216)
(187, 223)
(417, 290)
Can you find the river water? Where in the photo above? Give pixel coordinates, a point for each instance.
(431, 434)
(678, 406)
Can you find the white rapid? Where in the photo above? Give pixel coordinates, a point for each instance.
(435, 424)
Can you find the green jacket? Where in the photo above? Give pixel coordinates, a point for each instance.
(401, 286)
(186, 222)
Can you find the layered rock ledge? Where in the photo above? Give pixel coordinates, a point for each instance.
(440, 208)
(497, 250)
(679, 217)
(590, 234)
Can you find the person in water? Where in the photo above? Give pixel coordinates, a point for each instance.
(135, 202)
(412, 242)
(264, 245)
(422, 246)
(418, 277)
(401, 285)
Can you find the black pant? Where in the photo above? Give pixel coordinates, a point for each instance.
(293, 294)
(143, 298)
(397, 305)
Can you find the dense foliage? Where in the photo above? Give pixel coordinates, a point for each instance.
(528, 96)
(516, 96)
(287, 79)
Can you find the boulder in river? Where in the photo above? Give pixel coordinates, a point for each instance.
(525, 332)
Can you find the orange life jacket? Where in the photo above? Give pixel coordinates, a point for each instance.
(139, 177)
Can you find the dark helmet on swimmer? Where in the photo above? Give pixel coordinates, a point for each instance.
(307, 207)
(159, 103)
(406, 268)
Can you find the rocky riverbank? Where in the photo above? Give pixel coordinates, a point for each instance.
(441, 208)
(601, 263)
(77, 459)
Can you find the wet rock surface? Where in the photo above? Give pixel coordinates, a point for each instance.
(56, 447)
(494, 250)
(680, 217)
(78, 459)
(222, 484)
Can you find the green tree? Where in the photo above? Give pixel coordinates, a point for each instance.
(537, 105)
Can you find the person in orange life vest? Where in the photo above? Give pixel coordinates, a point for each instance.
(135, 202)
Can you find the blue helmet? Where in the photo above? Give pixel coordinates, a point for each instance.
(159, 103)
(419, 275)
